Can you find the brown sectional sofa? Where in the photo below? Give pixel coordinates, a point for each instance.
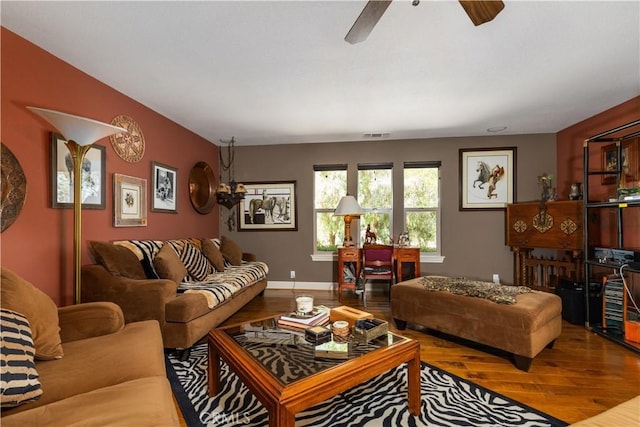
(523, 329)
(89, 368)
(121, 275)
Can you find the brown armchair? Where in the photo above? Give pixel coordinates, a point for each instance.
(89, 366)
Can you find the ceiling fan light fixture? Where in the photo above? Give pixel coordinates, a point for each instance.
(479, 11)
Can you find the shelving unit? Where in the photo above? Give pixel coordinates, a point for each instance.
(616, 307)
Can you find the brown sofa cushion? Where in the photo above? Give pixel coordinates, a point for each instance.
(213, 254)
(21, 296)
(231, 251)
(117, 259)
(187, 307)
(139, 402)
(168, 265)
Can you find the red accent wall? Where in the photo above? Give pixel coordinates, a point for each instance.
(569, 148)
(39, 244)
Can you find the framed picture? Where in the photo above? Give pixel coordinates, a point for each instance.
(94, 178)
(487, 178)
(129, 201)
(629, 159)
(268, 206)
(164, 185)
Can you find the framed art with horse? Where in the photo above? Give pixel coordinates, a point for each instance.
(487, 178)
(268, 206)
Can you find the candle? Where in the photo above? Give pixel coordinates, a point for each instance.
(304, 304)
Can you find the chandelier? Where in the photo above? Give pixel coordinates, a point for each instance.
(229, 195)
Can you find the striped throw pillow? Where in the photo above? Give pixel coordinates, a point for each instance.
(197, 265)
(18, 376)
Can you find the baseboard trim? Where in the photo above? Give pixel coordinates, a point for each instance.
(312, 286)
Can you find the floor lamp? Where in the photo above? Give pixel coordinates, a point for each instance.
(349, 208)
(80, 133)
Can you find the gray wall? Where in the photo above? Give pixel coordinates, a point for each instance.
(473, 242)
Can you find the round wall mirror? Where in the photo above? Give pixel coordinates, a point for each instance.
(202, 188)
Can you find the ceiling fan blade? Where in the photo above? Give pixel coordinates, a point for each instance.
(368, 18)
(482, 11)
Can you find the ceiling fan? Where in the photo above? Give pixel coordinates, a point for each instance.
(478, 10)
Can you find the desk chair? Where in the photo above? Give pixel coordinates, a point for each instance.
(377, 264)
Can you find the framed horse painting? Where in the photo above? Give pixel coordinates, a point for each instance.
(487, 178)
(268, 206)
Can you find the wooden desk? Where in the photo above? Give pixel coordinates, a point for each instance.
(351, 257)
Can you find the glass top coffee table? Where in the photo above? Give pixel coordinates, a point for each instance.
(280, 368)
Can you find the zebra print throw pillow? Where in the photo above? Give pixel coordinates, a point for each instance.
(197, 265)
(18, 375)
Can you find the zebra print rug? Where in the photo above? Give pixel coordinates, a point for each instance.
(447, 400)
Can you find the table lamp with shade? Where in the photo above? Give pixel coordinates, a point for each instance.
(80, 133)
(349, 208)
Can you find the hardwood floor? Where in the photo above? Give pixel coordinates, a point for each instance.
(583, 375)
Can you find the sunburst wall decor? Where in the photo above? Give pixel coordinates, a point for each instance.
(129, 146)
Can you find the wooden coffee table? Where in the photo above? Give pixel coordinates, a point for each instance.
(300, 381)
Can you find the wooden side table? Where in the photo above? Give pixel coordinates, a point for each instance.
(406, 255)
(348, 257)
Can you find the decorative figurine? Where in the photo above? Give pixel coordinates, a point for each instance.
(370, 236)
(575, 193)
(545, 181)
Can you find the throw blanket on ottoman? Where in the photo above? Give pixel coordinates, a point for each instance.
(220, 286)
(501, 294)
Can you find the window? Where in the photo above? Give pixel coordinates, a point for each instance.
(422, 205)
(375, 195)
(330, 184)
(418, 201)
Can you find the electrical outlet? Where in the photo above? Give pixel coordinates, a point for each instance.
(292, 274)
(496, 279)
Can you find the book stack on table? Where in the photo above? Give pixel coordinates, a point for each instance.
(318, 317)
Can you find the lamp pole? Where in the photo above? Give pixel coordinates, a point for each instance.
(77, 155)
(80, 133)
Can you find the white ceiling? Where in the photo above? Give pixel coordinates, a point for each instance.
(274, 72)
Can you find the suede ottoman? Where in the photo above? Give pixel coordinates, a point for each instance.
(523, 329)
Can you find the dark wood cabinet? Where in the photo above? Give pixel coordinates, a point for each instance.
(555, 225)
